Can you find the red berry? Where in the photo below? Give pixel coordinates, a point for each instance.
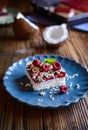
(63, 89)
(35, 80)
(36, 62)
(62, 74)
(45, 67)
(39, 73)
(56, 66)
(57, 74)
(29, 66)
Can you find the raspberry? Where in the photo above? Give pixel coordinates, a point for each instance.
(62, 74)
(45, 67)
(39, 73)
(29, 66)
(36, 62)
(35, 80)
(56, 66)
(63, 89)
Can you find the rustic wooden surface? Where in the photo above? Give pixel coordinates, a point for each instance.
(15, 115)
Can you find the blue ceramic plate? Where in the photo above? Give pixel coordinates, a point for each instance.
(77, 81)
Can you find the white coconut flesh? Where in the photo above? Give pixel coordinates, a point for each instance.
(55, 34)
(20, 15)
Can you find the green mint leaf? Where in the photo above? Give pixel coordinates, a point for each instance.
(49, 60)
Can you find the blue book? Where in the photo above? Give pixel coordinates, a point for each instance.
(43, 3)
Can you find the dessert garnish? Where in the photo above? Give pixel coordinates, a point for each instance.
(63, 89)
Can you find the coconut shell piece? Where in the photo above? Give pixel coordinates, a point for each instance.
(22, 29)
(55, 35)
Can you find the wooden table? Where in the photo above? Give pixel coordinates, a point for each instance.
(15, 115)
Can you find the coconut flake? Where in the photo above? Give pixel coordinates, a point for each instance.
(72, 76)
(51, 97)
(77, 86)
(42, 93)
(70, 84)
(40, 100)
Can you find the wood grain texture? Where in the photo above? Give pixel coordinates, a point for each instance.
(15, 115)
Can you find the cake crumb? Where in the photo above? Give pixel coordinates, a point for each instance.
(27, 85)
(21, 83)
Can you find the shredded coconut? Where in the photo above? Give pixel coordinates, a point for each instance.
(77, 86)
(70, 84)
(42, 93)
(40, 100)
(51, 97)
(72, 76)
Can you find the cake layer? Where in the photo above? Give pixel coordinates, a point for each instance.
(57, 82)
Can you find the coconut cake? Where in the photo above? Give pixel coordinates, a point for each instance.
(45, 74)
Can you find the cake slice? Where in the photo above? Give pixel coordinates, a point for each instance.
(45, 74)
(5, 16)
